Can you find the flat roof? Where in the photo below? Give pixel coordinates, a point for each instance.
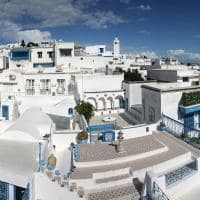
(168, 87)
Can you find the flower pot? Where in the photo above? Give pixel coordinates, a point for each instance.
(162, 128)
(82, 141)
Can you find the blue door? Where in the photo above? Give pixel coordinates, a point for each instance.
(188, 122)
(4, 191)
(5, 112)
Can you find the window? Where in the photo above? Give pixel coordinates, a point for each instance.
(185, 79)
(45, 86)
(50, 53)
(39, 54)
(18, 65)
(30, 83)
(151, 115)
(61, 82)
(70, 111)
(30, 86)
(65, 52)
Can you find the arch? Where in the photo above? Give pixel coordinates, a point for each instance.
(101, 103)
(110, 103)
(151, 114)
(92, 101)
(119, 101)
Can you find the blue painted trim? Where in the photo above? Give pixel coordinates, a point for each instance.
(14, 192)
(189, 109)
(100, 127)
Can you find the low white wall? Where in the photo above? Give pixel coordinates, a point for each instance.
(63, 139)
(138, 131)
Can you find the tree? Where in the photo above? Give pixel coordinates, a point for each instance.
(86, 109)
(23, 43)
(132, 76)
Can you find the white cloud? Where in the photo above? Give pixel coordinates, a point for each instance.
(101, 20)
(33, 35)
(144, 32)
(196, 36)
(184, 55)
(144, 7)
(42, 14)
(149, 54)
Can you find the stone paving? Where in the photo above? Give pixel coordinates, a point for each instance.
(126, 192)
(176, 148)
(105, 151)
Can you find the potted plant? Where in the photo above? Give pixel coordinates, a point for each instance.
(162, 126)
(82, 137)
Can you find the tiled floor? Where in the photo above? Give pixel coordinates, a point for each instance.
(105, 151)
(176, 148)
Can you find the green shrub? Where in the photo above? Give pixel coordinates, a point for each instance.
(189, 99)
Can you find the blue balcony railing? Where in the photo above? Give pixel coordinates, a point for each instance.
(178, 128)
(158, 193)
(180, 173)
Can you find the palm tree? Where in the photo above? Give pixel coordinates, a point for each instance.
(86, 109)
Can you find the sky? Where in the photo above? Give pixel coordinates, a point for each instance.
(151, 27)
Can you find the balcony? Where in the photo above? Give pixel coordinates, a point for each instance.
(30, 91)
(61, 90)
(45, 91)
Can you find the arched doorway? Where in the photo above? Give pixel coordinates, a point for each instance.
(110, 103)
(119, 102)
(101, 104)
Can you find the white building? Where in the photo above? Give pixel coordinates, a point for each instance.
(96, 50)
(104, 92)
(184, 76)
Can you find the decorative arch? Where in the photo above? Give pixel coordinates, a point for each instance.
(93, 101)
(102, 103)
(151, 114)
(119, 101)
(110, 103)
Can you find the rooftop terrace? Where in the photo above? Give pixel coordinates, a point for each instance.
(175, 149)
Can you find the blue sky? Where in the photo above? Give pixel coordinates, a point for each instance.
(157, 27)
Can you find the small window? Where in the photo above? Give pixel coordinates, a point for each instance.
(185, 79)
(39, 54)
(50, 53)
(81, 58)
(18, 65)
(70, 111)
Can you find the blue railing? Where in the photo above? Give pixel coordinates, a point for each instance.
(26, 195)
(100, 127)
(180, 173)
(76, 152)
(158, 194)
(4, 191)
(178, 128)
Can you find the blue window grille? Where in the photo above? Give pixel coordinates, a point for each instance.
(26, 195)
(19, 54)
(45, 65)
(4, 191)
(5, 112)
